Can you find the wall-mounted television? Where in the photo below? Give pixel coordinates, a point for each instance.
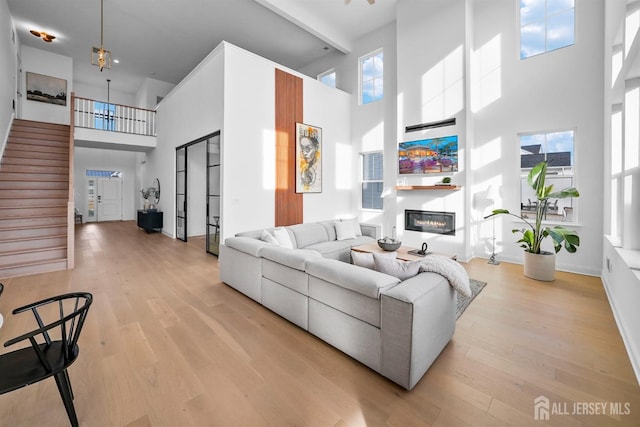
(426, 156)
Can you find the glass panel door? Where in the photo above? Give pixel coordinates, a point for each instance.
(181, 193)
(91, 199)
(213, 194)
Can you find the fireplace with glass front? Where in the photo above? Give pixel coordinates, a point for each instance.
(430, 222)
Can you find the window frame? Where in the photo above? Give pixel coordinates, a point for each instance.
(519, 31)
(361, 83)
(574, 175)
(326, 73)
(364, 181)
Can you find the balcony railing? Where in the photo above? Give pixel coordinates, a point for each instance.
(92, 114)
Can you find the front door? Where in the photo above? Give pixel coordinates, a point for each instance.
(109, 199)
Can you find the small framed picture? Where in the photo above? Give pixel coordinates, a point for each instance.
(47, 89)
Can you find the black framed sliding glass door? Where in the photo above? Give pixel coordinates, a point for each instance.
(213, 194)
(181, 193)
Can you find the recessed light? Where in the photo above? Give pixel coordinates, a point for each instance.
(116, 61)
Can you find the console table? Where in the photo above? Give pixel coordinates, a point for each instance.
(150, 220)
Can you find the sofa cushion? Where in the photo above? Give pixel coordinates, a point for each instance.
(354, 224)
(282, 236)
(345, 231)
(330, 226)
(308, 234)
(294, 258)
(247, 245)
(265, 236)
(403, 270)
(291, 278)
(339, 249)
(335, 249)
(345, 301)
(366, 282)
(365, 259)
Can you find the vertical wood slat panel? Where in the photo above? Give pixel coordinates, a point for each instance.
(288, 203)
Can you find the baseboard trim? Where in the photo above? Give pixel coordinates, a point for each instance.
(634, 357)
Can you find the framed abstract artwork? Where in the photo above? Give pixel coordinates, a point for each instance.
(46, 89)
(308, 159)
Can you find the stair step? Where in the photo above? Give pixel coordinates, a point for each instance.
(33, 203)
(34, 169)
(12, 152)
(41, 125)
(42, 177)
(34, 185)
(29, 232)
(31, 243)
(34, 255)
(37, 148)
(31, 211)
(35, 132)
(32, 268)
(37, 139)
(29, 161)
(34, 193)
(32, 221)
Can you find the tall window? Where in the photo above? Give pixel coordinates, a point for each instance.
(546, 25)
(328, 78)
(371, 77)
(557, 149)
(372, 180)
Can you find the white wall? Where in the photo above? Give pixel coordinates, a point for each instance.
(8, 69)
(99, 93)
(248, 145)
(193, 109)
(97, 159)
(48, 64)
(197, 189)
(553, 91)
(242, 86)
(373, 126)
(431, 86)
(621, 260)
(149, 91)
(338, 173)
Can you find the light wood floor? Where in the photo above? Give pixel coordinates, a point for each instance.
(167, 344)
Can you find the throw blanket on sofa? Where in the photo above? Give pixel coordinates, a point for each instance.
(450, 269)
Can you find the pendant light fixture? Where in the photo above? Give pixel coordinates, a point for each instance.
(100, 56)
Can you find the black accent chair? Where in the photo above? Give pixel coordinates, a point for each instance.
(54, 346)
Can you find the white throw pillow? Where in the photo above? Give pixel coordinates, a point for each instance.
(403, 270)
(355, 224)
(282, 236)
(268, 237)
(344, 231)
(365, 259)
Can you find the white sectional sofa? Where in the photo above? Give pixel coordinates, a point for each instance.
(396, 328)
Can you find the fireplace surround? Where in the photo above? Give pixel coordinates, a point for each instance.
(430, 222)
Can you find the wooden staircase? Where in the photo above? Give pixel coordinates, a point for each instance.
(34, 194)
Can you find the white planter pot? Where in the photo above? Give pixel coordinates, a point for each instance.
(540, 266)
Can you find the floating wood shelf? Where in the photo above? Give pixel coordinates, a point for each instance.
(428, 187)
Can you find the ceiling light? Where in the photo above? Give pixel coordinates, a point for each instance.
(116, 61)
(44, 36)
(100, 56)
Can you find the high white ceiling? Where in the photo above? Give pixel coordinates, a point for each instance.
(165, 39)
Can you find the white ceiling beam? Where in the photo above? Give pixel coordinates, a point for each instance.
(294, 11)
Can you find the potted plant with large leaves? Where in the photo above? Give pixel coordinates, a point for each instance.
(539, 264)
